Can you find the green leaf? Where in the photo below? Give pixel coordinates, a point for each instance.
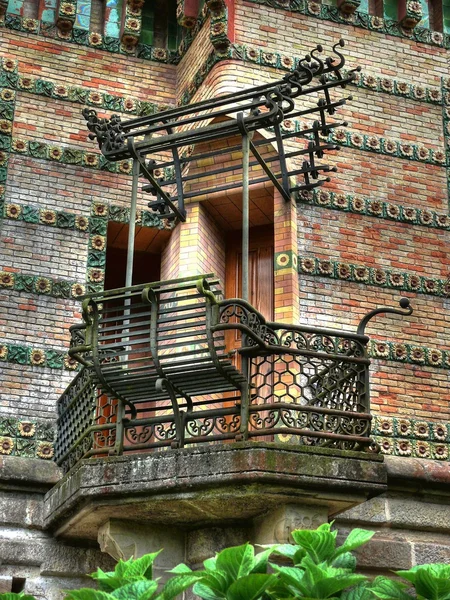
(330, 585)
(325, 526)
(88, 594)
(140, 590)
(261, 560)
(293, 578)
(355, 539)
(181, 568)
(299, 556)
(360, 592)
(386, 589)
(236, 561)
(250, 587)
(433, 581)
(121, 567)
(178, 584)
(320, 545)
(345, 561)
(287, 550)
(408, 575)
(141, 567)
(210, 564)
(205, 592)
(107, 582)
(13, 596)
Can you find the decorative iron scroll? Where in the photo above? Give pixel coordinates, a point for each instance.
(158, 375)
(168, 143)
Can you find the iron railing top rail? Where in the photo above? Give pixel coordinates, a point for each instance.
(264, 332)
(169, 284)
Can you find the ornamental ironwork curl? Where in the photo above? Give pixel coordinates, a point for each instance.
(139, 435)
(200, 427)
(108, 132)
(295, 419)
(249, 319)
(321, 342)
(77, 335)
(226, 425)
(104, 439)
(164, 431)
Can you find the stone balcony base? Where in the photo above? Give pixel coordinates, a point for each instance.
(209, 486)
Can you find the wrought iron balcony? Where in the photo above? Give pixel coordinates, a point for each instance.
(156, 373)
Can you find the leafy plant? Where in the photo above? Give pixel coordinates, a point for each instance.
(14, 596)
(431, 582)
(320, 546)
(133, 580)
(318, 570)
(235, 574)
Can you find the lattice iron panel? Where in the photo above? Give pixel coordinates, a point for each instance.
(319, 401)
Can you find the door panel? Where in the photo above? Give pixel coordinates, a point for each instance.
(260, 268)
(261, 281)
(261, 292)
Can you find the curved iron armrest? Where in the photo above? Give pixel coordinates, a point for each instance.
(264, 332)
(270, 327)
(259, 321)
(78, 345)
(404, 303)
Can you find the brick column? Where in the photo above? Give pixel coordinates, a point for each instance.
(286, 305)
(195, 247)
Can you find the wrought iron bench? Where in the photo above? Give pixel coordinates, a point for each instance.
(156, 373)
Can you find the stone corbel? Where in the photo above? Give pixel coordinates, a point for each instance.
(187, 13)
(348, 7)
(3, 7)
(409, 13)
(131, 25)
(219, 25)
(65, 15)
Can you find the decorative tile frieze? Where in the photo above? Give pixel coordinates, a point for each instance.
(36, 357)
(82, 37)
(41, 285)
(28, 438)
(415, 449)
(411, 428)
(77, 221)
(67, 155)
(382, 84)
(53, 218)
(69, 30)
(285, 260)
(102, 212)
(445, 86)
(387, 146)
(8, 78)
(385, 278)
(363, 20)
(374, 208)
(409, 353)
(404, 436)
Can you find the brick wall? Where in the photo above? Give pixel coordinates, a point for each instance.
(406, 247)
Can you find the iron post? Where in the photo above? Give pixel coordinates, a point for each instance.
(245, 214)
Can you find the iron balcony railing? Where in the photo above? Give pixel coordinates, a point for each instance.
(157, 373)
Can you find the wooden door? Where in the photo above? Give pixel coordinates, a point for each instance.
(260, 268)
(261, 294)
